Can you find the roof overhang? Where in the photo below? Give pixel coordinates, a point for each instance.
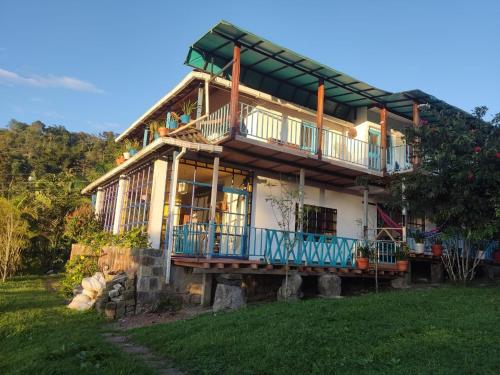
(270, 68)
(148, 151)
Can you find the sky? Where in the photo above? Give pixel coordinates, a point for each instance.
(97, 65)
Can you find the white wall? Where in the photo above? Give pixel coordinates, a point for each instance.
(349, 207)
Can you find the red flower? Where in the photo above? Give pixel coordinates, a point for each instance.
(497, 155)
(477, 149)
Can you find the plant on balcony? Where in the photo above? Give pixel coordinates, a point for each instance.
(402, 257)
(172, 120)
(119, 157)
(132, 146)
(187, 108)
(153, 129)
(365, 252)
(419, 238)
(437, 247)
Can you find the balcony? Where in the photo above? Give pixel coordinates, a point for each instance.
(263, 125)
(274, 246)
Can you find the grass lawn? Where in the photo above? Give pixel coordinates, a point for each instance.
(39, 335)
(449, 330)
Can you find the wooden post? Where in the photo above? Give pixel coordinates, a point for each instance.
(213, 206)
(365, 213)
(207, 100)
(383, 139)
(199, 101)
(302, 180)
(416, 124)
(319, 116)
(235, 86)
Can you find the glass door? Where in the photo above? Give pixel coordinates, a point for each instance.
(231, 222)
(374, 149)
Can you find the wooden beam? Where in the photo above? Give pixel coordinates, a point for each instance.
(319, 115)
(235, 86)
(416, 124)
(383, 139)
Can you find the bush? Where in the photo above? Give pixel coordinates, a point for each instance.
(81, 223)
(76, 270)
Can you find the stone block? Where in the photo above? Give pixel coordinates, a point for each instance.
(147, 261)
(329, 286)
(130, 283)
(110, 310)
(100, 304)
(152, 252)
(143, 283)
(129, 294)
(228, 297)
(158, 271)
(153, 284)
(400, 283)
(292, 291)
(145, 271)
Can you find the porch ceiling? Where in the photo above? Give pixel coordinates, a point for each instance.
(270, 158)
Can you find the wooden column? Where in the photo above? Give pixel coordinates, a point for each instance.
(213, 207)
(319, 116)
(383, 139)
(235, 86)
(365, 213)
(302, 182)
(416, 124)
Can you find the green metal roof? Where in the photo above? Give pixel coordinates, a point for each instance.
(270, 68)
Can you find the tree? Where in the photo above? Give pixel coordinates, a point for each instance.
(456, 183)
(13, 237)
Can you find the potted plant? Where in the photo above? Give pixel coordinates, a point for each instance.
(162, 128)
(187, 108)
(131, 145)
(120, 159)
(363, 259)
(437, 247)
(153, 129)
(419, 238)
(402, 258)
(173, 121)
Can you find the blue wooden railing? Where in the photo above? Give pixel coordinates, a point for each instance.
(274, 246)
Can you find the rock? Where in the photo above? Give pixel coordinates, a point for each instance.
(110, 310)
(292, 291)
(114, 293)
(228, 297)
(100, 304)
(230, 279)
(399, 283)
(329, 286)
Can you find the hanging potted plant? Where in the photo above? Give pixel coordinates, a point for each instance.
(402, 258)
(437, 247)
(153, 129)
(173, 120)
(363, 260)
(187, 108)
(419, 238)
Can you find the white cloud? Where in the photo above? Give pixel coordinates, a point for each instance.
(8, 77)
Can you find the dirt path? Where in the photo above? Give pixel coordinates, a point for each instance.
(160, 364)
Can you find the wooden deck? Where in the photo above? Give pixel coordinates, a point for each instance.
(256, 267)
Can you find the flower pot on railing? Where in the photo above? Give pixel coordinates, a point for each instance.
(185, 118)
(363, 263)
(120, 160)
(126, 155)
(402, 265)
(419, 248)
(132, 152)
(172, 124)
(162, 132)
(437, 250)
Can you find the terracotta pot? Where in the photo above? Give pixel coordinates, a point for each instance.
(437, 250)
(162, 132)
(402, 265)
(120, 159)
(362, 263)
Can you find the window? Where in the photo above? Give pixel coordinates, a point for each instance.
(318, 220)
(107, 212)
(137, 198)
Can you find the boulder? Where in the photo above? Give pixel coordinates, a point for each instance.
(95, 283)
(400, 283)
(228, 297)
(329, 286)
(92, 294)
(292, 291)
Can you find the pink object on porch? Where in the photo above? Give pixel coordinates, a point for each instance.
(388, 220)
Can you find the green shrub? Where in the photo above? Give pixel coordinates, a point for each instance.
(76, 270)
